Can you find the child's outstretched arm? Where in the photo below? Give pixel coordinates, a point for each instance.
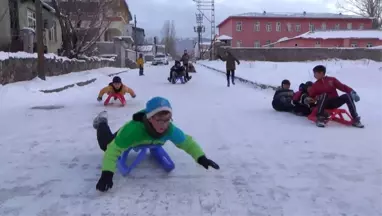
(130, 91)
(188, 144)
(125, 138)
(103, 91)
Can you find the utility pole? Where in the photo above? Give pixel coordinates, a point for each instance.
(208, 5)
(40, 40)
(135, 37)
(199, 29)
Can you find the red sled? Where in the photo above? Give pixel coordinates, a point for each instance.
(115, 96)
(337, 115)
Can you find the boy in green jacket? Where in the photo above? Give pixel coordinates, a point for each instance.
(149, 126)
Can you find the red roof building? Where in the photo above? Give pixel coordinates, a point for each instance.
(259, 29)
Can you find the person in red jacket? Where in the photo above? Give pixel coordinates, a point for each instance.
(325, 91)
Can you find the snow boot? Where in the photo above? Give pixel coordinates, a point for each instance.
(101, 117)
(357, 123)
(320, 121)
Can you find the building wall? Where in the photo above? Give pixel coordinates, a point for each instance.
(52, 31)
(226, 28)
(5, 24)
(250, 34)
(362, 43)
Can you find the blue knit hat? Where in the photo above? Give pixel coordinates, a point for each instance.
(156, 105)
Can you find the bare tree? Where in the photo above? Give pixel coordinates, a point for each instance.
(169, 37)
(366, 8)
(82, 24)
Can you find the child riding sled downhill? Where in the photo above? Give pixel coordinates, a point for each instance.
(117, 90)
(325, 91)
(153, 125)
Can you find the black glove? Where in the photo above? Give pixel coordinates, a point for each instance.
(205, 162)
(105, 182)
(99, 98)
(133, 96)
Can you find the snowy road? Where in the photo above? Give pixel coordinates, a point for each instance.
(271, 163)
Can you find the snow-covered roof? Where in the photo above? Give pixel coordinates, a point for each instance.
(335, 34)
(377, 34)
(224, 37)
(47, 6)
(299, 15)
(145, 48)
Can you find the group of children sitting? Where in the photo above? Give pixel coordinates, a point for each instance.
(321, 94)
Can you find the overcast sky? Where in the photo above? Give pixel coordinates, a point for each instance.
(151, 14)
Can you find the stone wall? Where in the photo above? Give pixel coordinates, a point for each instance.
(22, 69)
(303, 54)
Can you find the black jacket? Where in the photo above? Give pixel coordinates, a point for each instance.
(282, 100)
(177, 69)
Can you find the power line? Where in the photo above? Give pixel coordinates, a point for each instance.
(208, 5)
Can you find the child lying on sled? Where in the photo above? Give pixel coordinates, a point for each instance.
(153, 125)
(303, 104)
(116, 87)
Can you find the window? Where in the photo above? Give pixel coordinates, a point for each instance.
(268, 27)
(323, 26)
(369, 45)
(256, 27)
(298, 27)
(289, 27)
(257, 43)
(349, 26)
(31, 19)
(267, 42)
(278, 26)
(239, 26)
(354, 44)
(361, 26)
(337, 26)
(311, 27)
(238, 43)
(318, 44)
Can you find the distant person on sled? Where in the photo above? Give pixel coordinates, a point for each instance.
(177, 70)
(117, 88)
(324, 90)
(185, 59)
(151, 125)
(282, 99)
(303, 104)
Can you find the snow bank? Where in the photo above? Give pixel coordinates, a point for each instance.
(24, 55)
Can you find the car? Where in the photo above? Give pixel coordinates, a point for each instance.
(160, 59)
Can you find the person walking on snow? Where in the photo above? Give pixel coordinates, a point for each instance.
(116, 87)
(151, 125)
(185, 59)
(140, 63)
(325, 91)
(230, 66)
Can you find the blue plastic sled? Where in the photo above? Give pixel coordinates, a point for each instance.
(156, 151)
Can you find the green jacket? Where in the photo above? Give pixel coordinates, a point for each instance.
(134, 133)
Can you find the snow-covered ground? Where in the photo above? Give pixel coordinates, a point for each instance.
(271, 163)
(365, 76)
